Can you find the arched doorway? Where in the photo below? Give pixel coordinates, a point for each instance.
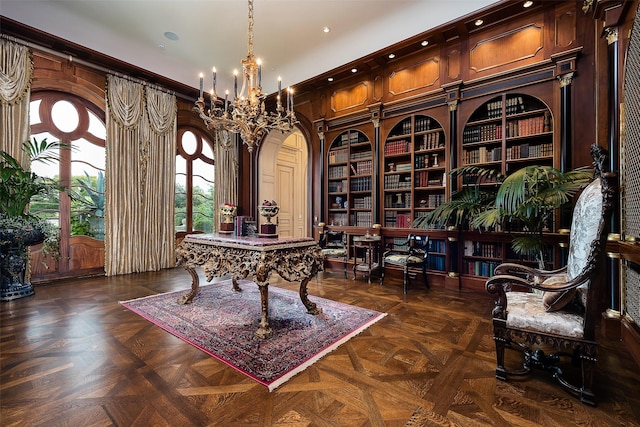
(283, 176)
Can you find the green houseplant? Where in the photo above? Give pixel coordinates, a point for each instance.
(18, 228)
(528, 199)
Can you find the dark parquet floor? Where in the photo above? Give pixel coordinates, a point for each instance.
(72, 356)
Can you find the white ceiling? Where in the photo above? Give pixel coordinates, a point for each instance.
(288, 34)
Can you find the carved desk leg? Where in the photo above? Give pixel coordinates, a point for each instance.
(264, 330)
(195, 285)
(312, 308)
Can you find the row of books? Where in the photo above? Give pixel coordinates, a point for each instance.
(436, 262)
(480, 268)
(352, 137)
(494, 109)
(397, 182)
(528, 126)
(362, 202)
(337, 171)
(362, 219)
(338, 156)
(364, 167)
(403, 167)
(360, 155)
(514, 105)
(482, 249)
(439, 246)
(526, 151)
(396, 147)
(481, 155)
(433, 201)
(428, 179)
(338, 186)
(431, 141)
(481, 133)
(397, 219)
(361, 183)
(400, 200)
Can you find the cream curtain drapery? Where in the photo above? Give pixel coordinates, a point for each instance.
(226, 170)
(16, 73)
(140, 178)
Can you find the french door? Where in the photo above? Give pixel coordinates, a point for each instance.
(80, 125)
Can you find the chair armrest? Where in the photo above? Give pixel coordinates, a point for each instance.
(501, 285)
(531, 273)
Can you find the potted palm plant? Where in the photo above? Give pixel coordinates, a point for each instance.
(528, 198)
(18, 228)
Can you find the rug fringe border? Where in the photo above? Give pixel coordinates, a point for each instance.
(286, 377)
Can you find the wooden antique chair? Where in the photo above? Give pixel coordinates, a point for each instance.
(411, 254)
(334, 245)
(563, 311)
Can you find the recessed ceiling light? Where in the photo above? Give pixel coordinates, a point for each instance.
(160, 46)
(326, 29)
(527, 4)
(330, 79)
(425, 43)
(392, 55)
(479, 22)
(171, 36)
(354, 70)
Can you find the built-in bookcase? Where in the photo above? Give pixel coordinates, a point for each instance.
(350, 180)
(414, 170)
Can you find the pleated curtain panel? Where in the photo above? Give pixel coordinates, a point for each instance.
(16, 73)
(226, 171)
(140, 178)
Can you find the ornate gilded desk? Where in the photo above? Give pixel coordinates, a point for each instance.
(293, 258)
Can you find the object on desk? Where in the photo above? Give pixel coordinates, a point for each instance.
(268, 210)
(227, 215)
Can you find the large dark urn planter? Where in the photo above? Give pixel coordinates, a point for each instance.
(13, 261)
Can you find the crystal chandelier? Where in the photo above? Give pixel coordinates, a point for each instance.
(246, 113)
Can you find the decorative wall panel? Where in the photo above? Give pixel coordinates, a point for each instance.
(421, 75)
(349, 97)
(454, 64)
(513, 46)
(565, 29)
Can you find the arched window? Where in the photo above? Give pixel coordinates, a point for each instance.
(194, 209)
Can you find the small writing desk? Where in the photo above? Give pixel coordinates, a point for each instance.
(370, 244)
(293, 258)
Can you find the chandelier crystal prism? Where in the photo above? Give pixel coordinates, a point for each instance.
(246, 113)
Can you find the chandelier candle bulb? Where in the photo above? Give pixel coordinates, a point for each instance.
(259, 73)
(201, 84)
(226, 99)
(235, 83)
(214, 79)
(279, 89)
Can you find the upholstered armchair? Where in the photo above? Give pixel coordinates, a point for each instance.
(334, 245)
(559, 308)
(412, 253)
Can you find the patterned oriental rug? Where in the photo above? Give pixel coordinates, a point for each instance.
(222, 323)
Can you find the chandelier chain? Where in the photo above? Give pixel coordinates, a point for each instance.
(250, 31)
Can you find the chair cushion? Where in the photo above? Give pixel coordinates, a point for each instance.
(585, 228)
(526, 311)
(334, 252)
(554, 301)
(400, 259)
